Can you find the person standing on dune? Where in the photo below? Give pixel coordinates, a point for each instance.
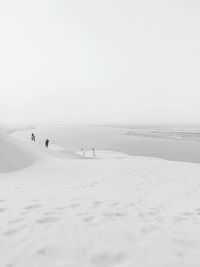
(47, 143)
(33, 137)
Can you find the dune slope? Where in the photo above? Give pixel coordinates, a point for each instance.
(115, 211)
(14, 155)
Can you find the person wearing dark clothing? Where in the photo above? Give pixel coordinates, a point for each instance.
(47, 143)
(33, 137)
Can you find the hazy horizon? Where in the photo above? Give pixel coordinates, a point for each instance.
(100, 61)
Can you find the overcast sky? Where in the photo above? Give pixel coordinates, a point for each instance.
(99, 61)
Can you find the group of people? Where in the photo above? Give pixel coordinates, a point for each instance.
(47, 145)
(93, 152)
(34, 139)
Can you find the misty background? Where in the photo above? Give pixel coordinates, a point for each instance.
(99, 61)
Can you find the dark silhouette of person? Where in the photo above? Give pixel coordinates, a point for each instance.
(47, 143)
(33, 137)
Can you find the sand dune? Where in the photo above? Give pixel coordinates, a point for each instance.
(15, 155)
(74, 137)
(117, 210)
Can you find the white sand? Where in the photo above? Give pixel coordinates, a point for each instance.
(136, 143)
(59, 208)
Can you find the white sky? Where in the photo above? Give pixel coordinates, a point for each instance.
(99, 61)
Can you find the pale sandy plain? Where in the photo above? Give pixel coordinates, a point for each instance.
(121, 208)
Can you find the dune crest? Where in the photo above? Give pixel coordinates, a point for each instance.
(15, 155)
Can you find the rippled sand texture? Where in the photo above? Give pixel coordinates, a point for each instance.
(142, 213)
(59, 208)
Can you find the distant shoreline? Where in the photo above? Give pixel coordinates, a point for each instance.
(191, 136)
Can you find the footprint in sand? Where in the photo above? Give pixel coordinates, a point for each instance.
(83, 214)
(130, 204)
(88, 219)
(61, 208)
(97, 204)
(187, 214)
(47, 251)
(16, 220)
(56, 210)
(114, 214)
(42, 251)
(184, 216)
(198, 211)
(91, 185)
(114, 204)
(50, 213)
(148, 230)
(160, 219)
(153, 213)
(75, 205)
(3, 209)
(180, 218)
(189, 243)
(108, 259)
(32, 207)
(144, 217)
(15, 230)
(47, 220)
